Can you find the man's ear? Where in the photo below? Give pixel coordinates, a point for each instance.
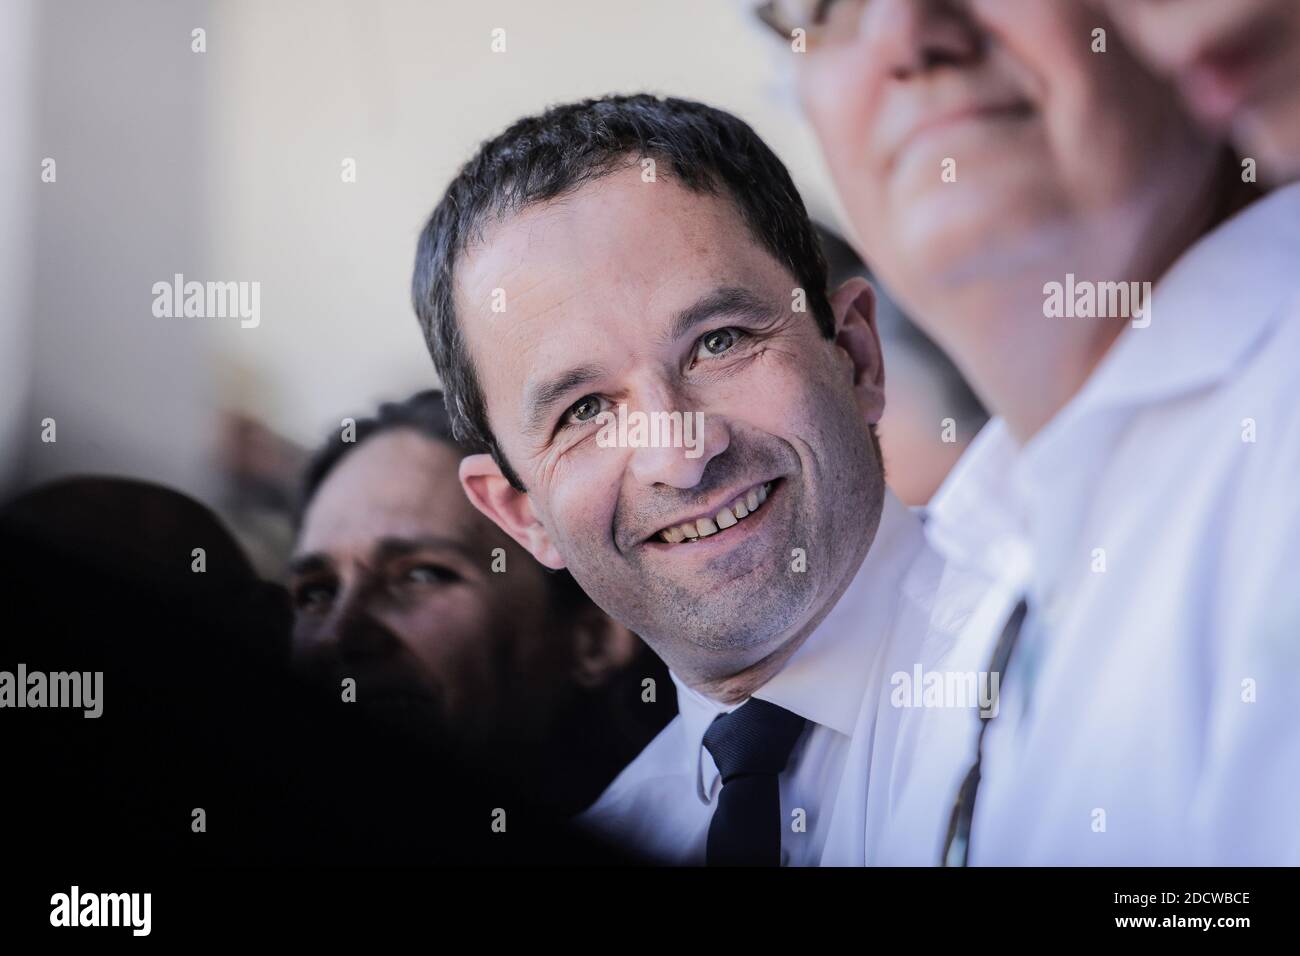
(854, 307)
(602, 648)
(508, 507)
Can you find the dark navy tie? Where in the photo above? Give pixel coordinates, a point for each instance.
(751, 746)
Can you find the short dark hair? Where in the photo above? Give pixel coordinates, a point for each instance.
(424, 413)
(543, 157)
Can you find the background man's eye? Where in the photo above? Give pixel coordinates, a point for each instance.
(430, 574)
(717, 342)
(584, 409)
(313, 598)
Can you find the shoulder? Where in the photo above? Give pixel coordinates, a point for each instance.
(662, 763)
(650, 808)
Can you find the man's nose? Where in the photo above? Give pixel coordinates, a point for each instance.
(912, 37)
(680, 463)
(355, 633)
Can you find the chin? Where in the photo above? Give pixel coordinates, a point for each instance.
(755, 626)
(951, 240)
(732, 634)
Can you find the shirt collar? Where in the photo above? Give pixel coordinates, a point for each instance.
(825, 678)
(971, 507)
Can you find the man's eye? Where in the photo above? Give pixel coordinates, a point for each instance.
(313, 597)
(429, 574)
(583, 410)
(714, 343)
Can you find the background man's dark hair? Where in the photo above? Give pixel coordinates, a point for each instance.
(544, 157)
(425, 413)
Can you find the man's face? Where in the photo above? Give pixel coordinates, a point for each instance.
(651, 296)
(1237, 64)
(968, 139)
(392, 586)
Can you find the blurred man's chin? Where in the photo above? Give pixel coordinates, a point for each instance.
(972, 239)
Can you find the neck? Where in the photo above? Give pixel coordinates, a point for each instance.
(1025, 367)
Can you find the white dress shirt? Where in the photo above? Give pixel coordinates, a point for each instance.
(1151, 714)
(838, 680)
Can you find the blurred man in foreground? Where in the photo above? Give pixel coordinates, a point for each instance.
(1132, 504)
(441, 619)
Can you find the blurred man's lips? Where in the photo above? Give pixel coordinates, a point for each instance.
(733, 511)
(941, 120)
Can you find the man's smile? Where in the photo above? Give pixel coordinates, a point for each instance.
(725, 523)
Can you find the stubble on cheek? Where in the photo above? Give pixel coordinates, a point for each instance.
(749, 598)
(739, 600)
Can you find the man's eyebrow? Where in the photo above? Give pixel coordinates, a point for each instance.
(540, 397)
(726, 300)
(387, 548)
(310, 563)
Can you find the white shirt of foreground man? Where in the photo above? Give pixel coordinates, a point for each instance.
(834, 795)
(1150, 713)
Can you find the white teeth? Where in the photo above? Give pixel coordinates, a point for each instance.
(742, 507)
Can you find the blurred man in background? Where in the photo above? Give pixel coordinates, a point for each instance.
(1132, 504)
(1237, 65)
(441, 619)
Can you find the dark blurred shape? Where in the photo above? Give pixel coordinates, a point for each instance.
(260, 470)
(143, 526)
(200, 710)
(922, 388)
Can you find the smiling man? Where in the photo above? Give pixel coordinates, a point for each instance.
(654, 254)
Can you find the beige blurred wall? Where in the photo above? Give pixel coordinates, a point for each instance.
(17, 217)
(120, 103)
(225, 165)
(408, 89)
